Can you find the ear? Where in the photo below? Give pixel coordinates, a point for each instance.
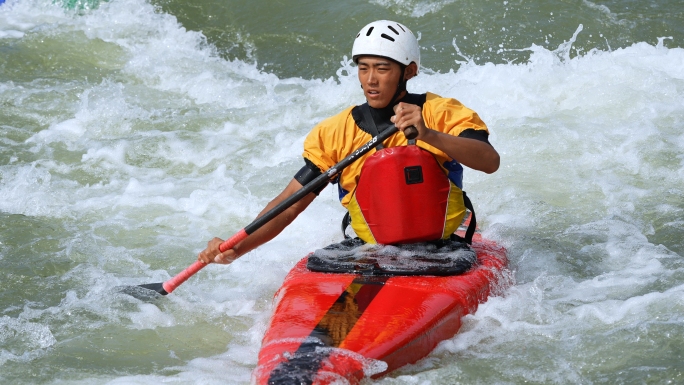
(411, 71)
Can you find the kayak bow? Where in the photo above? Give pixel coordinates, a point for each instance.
(329, 326)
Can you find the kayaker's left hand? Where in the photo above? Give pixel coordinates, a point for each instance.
(407, 115)
(212, 254)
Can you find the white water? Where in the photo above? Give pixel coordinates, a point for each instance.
(123, 172)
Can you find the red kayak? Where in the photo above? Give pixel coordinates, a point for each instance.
(330, 327)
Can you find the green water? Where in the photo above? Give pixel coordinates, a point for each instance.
(130, 134)
(308, 38)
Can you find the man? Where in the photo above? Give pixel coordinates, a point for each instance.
(387, 55)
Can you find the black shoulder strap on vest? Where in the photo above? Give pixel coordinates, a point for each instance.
(373, 128)
(365, 109)
(346, 220)
(470, 231)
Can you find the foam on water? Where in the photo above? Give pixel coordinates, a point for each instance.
(414, 8)
(173, 145)
(26, 340)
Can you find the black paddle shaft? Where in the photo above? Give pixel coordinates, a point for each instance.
(320, 180)
(170, 285)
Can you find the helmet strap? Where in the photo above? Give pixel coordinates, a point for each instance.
(401, 87)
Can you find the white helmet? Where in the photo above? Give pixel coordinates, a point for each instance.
(388, 39)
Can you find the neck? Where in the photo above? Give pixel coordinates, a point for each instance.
(398, 97)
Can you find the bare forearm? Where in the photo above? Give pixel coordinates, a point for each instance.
(471, 153)
(274, 227)
(262, 235)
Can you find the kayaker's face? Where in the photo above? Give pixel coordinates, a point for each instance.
(379, 79)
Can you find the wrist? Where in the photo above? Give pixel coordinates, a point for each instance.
(428, 135)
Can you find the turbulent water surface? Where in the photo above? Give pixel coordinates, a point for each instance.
(131, 132)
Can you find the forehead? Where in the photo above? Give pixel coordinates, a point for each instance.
(375, 61)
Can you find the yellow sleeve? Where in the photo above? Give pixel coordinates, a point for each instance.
(324, 145)
(450, 116)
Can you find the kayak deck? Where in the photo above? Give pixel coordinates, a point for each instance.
(330, 326)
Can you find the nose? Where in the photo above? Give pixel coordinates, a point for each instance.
(371, 77)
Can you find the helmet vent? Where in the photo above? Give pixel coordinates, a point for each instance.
(388, 37)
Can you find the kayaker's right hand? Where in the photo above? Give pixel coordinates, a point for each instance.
(212, 254)
(407, 115)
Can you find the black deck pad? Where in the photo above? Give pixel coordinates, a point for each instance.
(353, 256)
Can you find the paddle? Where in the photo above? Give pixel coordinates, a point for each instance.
(169, 286)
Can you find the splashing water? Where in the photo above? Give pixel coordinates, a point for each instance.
(129, 140)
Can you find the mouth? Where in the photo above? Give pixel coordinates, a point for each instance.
(373, 93)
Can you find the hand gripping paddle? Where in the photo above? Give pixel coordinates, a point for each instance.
(169, 286)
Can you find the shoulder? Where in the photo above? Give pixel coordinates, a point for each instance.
(438, 102)
(337, 120)
(325, 144)
(450, 115)
(329, 129)
(333, 126)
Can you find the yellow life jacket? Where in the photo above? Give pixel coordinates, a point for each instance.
(335, 137)
(403, 195)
